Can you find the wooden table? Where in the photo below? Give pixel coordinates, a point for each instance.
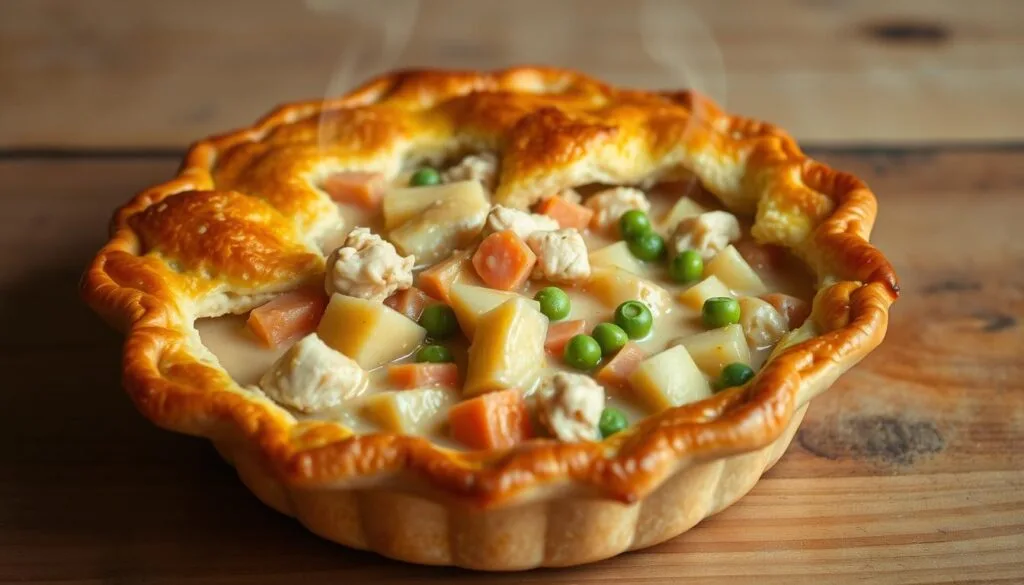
(911, 470)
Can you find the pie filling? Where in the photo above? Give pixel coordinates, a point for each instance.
(480, 326)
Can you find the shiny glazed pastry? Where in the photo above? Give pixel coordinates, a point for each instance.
(495, 320)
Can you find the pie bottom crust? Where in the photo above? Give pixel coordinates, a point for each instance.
(549, 532)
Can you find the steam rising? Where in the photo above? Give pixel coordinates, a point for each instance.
(657, 44)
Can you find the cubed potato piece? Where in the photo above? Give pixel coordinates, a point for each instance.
(683, 208)
(402, 204)
(670, 378)
(614, 286)
(369, 332)
(618, 255)
(472, 302)
(411, 412)
(432, 226)
(508, 348)
(695, 296)
(734, 271)
(715, 349)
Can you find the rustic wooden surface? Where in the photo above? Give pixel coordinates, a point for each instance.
(910, 470)
(116, 74)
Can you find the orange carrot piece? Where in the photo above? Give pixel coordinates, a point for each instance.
(617, 371)
(356, 188)
(504, 261)
(437, 280)
(560, 333)
(566, 213)
(496, 420)
(425, 375)
(288, 316)
(409, 302)
(795, 310)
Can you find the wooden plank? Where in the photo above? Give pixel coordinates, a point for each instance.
(108, 73)
(910, 470)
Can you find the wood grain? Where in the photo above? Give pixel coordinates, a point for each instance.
(910, 470)
(108, 73)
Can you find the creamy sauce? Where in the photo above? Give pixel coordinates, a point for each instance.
(245, 359)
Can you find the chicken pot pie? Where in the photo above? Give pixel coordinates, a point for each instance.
(495, 320)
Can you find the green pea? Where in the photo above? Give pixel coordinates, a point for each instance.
(634, 318)
(687, 266)
(612, 421)
(647, 246)
(735, 374)
(435, 354)
(720, 311)
(610, 337)
(582, 352)
(633, 223)
(554, 302)
(439, 321)
(425, 177)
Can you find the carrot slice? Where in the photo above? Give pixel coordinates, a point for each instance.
(504, 261)
(617, 371)
(425, 375)
(566, 213)
(288, 317)
(437, 280)
(496, 420)
(356, 188)
(793, 309)
(409, 302)
(560, 333)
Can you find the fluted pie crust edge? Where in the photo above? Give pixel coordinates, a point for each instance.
(233, 228)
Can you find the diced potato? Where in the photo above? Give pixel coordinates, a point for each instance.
(668, 379)
(508, 349)
(734, 271)
(683, 208)
(715, 349)
(695, 296)
(472, 302)
(614, 286)
(402, 204)
(369, 332)
(618, 255)
(411, 412)
(431, 226)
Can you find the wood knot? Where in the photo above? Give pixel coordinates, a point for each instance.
(908, 32)
(884, 439)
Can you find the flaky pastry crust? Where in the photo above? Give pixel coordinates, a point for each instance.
(244, 217)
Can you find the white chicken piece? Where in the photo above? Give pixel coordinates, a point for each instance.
(610, 204)
(562, 256)
(311, 376)
(481, 167)
(569, 406)
(708, 233)
(523, 223)
(763, 325)
(368, 266)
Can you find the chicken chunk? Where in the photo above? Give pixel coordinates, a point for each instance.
(311, 376)
(523, 223)
(610, 204)
(569, 406)
(763, 325)
(708, 233)
(561, 256)
(481, 167)
(368, 267)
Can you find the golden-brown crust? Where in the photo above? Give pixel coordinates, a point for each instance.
(241, 218)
